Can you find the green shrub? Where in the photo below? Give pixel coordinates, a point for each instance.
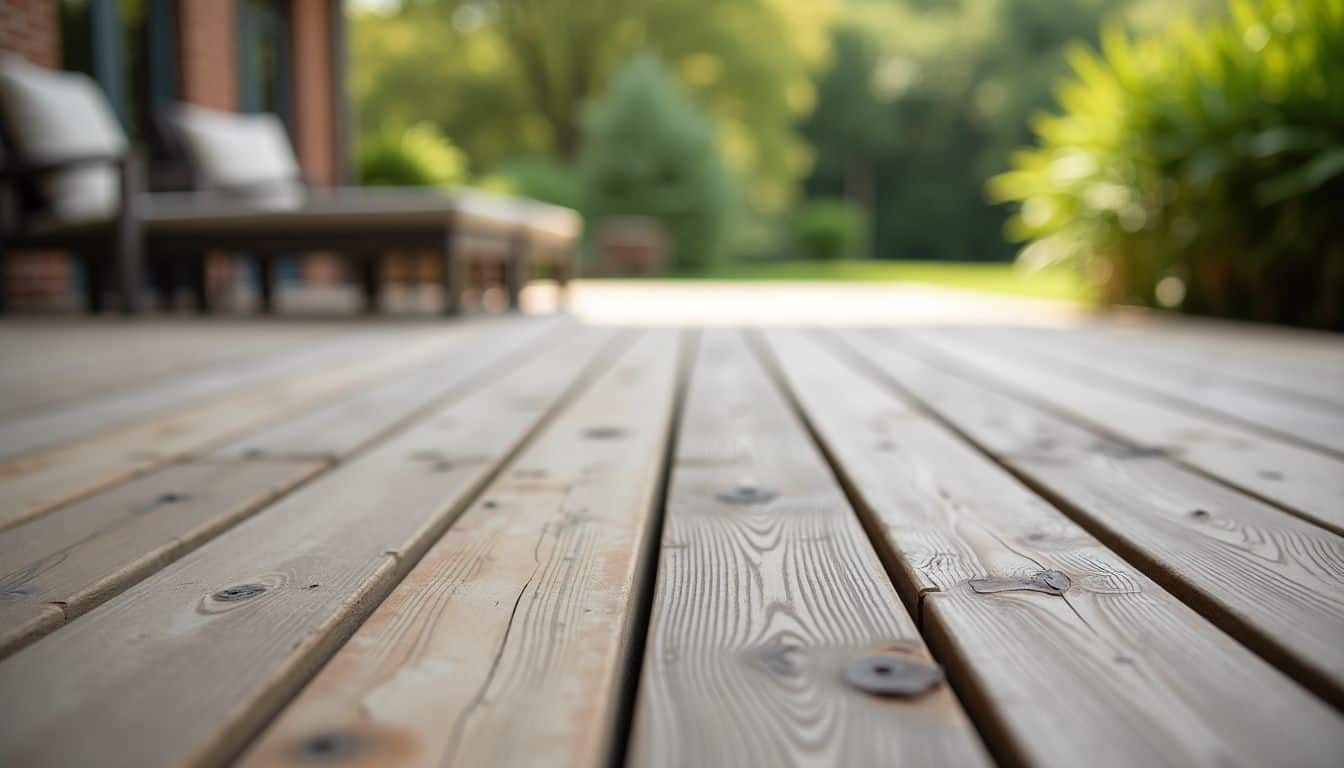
(540, 178)
(830, 229)
(1202, 168)
(417, 156)
(648, 151)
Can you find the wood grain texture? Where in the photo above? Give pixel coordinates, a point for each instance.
(1302, 365)
(1276, 413)
(34, 483)
(520, 614)
(82, 554)
(49, 363)
(1270, 579)
(1305, 481)
(760, 605)
(337, 428)
(1114, 671)
(207, 649)
(108, 410)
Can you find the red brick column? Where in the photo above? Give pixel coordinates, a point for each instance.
(207, 53)
(314, 113)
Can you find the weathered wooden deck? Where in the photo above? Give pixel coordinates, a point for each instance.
(531, 541)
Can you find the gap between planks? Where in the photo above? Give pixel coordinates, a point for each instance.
(35, 483)
(81, 554)
(214, 644)
(767, 589)
(1302, 481)
(526, 610)
(1271, 580)
(1138, 676)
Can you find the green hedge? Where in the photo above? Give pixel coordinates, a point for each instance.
(1201, 169)
(828, 229)
(417, 156)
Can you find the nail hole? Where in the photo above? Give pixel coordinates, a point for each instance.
(603, 433)
(333, 744)
(745, 495)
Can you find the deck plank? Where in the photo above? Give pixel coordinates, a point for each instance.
(1306, 366)
(79, 555)
(52, 365)
(761, 605)
(209, 648)
(335, 429)
(35, 483)
(1302, 480)
(1260, 408)
(108, 410)
(1114, 671)
(521, 613)
(1271, 580)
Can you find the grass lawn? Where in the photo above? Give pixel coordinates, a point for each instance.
(970, 276)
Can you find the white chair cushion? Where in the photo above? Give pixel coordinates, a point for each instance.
(55, 115)
(248, 154)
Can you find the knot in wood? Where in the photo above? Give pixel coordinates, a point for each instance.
(886, 674)
(1049, 582)
(239, 592)
(745, 495)
(332, 745)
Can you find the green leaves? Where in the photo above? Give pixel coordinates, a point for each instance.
(1215, 156)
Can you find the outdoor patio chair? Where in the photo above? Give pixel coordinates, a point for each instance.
(68, 179)
(71, 176)
(249, 195)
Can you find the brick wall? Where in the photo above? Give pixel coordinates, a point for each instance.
(31, 29)
(207, 52)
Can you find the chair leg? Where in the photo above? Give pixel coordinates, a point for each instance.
(130, 268)
(266, 282)
(515, 269)
(370, 265)
(93, 282)
(454, 277)
(564, 271)
(163, 275)
(4, 278)
(200, 283)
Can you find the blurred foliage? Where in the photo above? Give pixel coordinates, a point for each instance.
(924, 100)
(540, 178)
(985, 277)
(1201, 168)
(829, 229)
(648, 151)
(417, 156)
(509, 79)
